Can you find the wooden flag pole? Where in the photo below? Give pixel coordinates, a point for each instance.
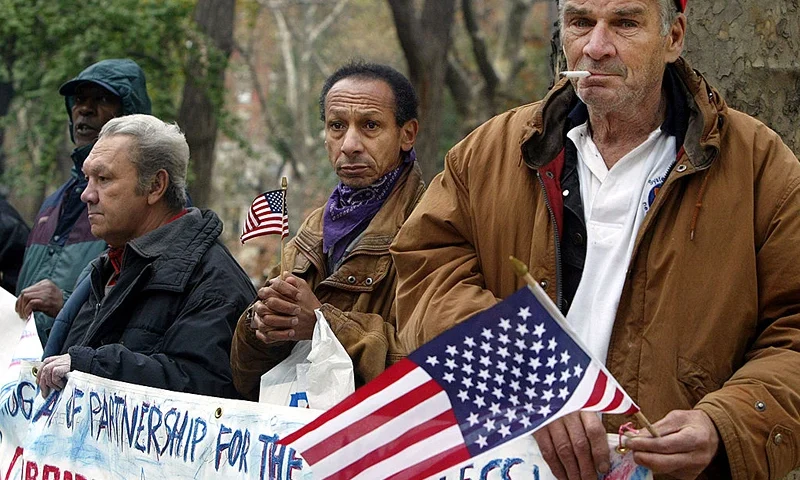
(522, 271)
(284, 187)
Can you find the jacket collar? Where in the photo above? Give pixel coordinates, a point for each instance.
(79, 156)
(697, 111)
(176, 248)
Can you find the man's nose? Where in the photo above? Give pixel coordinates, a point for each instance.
(86, 106)
(89, 195)
(351, 144)
(600, 43)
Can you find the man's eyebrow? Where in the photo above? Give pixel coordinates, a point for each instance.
(573, 10)
(629, 11)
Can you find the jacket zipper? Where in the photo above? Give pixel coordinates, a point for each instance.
(95, 327)
(557, 243)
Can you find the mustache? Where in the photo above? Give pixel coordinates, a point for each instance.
(605, 67)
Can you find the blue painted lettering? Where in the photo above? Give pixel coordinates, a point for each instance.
(505, 473)
(492, 465)
(198, 437)
(237, 448)
(140, 427)
(267, 440)
(94, 408)
(152, 438)
(72, 407)
(48, 407)
(129, 423)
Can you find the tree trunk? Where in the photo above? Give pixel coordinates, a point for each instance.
(6, 94)
(425, 39)
(747, 49)
(202, 93)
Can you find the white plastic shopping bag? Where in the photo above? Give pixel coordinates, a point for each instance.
(317, 374)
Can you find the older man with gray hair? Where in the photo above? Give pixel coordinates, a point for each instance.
(164, 299)
(663, 223)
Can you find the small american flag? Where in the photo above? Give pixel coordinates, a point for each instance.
(266, 216)
(505, 372)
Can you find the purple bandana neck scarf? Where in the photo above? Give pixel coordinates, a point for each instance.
(350, 208)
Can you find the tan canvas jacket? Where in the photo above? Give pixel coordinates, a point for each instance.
(709, 316)
(357, 299)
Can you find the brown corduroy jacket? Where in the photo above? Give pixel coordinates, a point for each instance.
(709, 316)
(358, 299)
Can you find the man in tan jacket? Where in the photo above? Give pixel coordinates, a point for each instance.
(663, 223)
(339, 260)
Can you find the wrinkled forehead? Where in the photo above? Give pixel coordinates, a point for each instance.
(108, 154)
(608, 6)
(364, 95)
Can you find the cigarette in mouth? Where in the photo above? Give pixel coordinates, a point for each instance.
(575, 73)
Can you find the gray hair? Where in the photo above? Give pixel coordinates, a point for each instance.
(159, 145)
(669, 12)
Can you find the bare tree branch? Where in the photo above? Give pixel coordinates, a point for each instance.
(328, 20)
(479, 48)
(460, 85)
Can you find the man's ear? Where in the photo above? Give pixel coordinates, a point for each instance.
(675, 39)
(408, 134)
(158, 187)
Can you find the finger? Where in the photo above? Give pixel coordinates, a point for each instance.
(36, 305)
(269, 292)
(581, 447)
(281, 335)
(285, 289)
(297, 282)
(60, 377)
(267, 323)
(42, 378)
(22, 305)
(275, 305)
(598, 441)
(562, 443)
(548, 451)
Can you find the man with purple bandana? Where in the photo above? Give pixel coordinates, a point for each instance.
(339, 261)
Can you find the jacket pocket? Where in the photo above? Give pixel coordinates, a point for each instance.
(781, 452)
(697, 381)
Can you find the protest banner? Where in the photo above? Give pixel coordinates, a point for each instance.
(97, 429)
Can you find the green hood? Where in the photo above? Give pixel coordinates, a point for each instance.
(123, 77)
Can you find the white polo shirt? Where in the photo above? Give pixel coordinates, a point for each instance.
(615, 202)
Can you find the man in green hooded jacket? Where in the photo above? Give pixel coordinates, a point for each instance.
(61, 243)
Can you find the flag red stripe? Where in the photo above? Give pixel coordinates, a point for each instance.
(597, 391)
(263, 231)
(386, 379)
(420, 432)
(379, 417)
(433, 465)
(617, 401)
(632, 410)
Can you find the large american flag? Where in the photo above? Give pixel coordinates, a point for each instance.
(267, 215)
(505, 372)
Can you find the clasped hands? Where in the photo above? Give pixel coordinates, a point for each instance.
(285, 310)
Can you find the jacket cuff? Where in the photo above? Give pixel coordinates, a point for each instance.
(81, 358)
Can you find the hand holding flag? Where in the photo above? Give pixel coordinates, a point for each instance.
(505, 372)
